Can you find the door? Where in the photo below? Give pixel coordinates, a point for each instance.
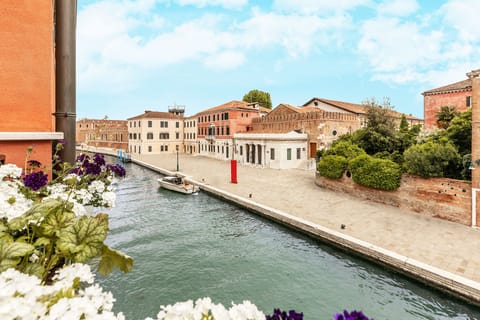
(313, 149)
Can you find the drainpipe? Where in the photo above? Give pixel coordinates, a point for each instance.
(65, 73)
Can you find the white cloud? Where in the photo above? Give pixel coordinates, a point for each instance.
(228, 4)
(317, 6)
(463, 16)
(297, 34)
(225, 60)
(398, 7)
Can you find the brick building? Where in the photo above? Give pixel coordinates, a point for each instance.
(102, 133)
(27, 79)
(217, 125)
(458, 94)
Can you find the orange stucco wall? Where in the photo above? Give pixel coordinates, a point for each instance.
(27, 76)
(41, 151)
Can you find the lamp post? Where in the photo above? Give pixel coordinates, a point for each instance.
(176, 147)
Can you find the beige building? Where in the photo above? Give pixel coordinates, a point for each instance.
(190, 135)
(155, 132)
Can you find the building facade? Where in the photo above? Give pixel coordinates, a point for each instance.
(321, 127)
(217, 125)
(272, 150)
(27, 79)
(190, 135)
(458, 95)
(155, 132)
(102, 133)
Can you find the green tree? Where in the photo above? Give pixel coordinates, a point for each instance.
(445, 116)
(433, 159)
(263, 98)
(460, 132)
(346, 149)
(380, 134)
(403, 124)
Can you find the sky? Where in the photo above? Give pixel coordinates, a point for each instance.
(137, 55)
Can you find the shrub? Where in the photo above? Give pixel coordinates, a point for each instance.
(332, 166)
(375, 173)
(432, 159)
(345, 149)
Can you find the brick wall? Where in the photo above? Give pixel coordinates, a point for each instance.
(432, 104)
(443, 198)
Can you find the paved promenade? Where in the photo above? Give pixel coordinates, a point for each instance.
(431, 243)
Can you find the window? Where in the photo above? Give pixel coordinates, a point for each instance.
(139, 136)
(177, 135)
(228, 131)
(166, 148)
(149, 123)
(130, 135)
(134, 136)
(289, 154)
(226, 116)
(149, 148)
(299, 153)
(469, 101)
(272, 154)
(161, 148)
(149, 135)
(177, 124)
(241, 150)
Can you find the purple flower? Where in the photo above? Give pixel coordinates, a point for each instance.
(282, 315)
(92, 168)
(354, 315)
(36, 180)
(99, 159)
(82, 158)
(117, 169)
(34, 163)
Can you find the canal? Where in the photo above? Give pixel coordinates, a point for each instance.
(188, 247)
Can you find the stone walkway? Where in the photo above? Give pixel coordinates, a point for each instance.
(445, 245)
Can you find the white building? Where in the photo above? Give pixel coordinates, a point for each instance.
(190, 135)
(272, 150)
(155, 133)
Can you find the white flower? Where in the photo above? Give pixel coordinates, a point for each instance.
(109, 199)
(245, 311)
(12, 203)
(10, 170)
(96, 186)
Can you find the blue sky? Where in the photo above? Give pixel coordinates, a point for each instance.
(148, 54)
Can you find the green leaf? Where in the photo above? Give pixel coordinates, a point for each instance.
(38, 211)
(4, 235)
(84, 239)
(57, 220)
(41, 242)
(34, 269)
(12, 252)
(113, 258)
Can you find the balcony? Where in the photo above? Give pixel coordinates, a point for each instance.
(210, 137)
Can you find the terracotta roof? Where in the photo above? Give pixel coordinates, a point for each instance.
(464, 85)
(352, 107)
(234, 105)
(355, 108)
(157, 115)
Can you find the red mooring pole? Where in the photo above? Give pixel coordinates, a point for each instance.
(233, 171)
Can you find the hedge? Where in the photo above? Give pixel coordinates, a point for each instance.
(375, 173)
(332, 166)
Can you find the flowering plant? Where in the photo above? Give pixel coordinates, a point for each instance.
(44, 226)
(283, 315)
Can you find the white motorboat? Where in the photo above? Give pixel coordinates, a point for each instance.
(177, 184)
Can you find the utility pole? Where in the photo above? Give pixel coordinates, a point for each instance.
(65, 73)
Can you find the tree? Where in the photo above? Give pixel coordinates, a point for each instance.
(459, 132)
(433, 159)
(380, 133)
(445, 116)
(263, 98)
(404, 124)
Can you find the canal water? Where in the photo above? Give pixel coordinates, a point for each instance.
(188, 247)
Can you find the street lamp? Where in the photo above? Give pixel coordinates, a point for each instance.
(176, 147)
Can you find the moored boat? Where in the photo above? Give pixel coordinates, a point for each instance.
(177, 184)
